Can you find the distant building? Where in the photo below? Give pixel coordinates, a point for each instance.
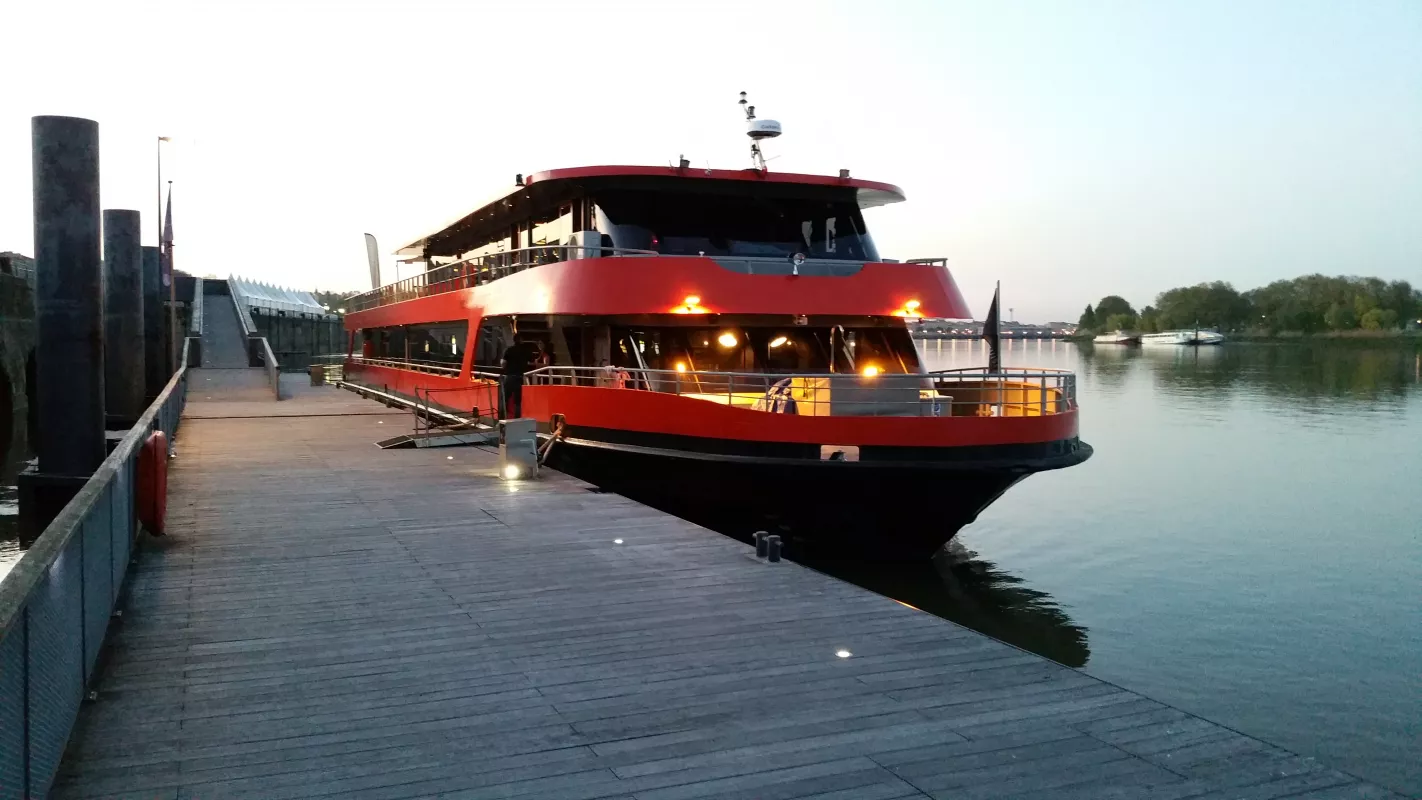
(971, 329)
(18, 265)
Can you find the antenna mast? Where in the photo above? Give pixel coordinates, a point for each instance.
(758, 129)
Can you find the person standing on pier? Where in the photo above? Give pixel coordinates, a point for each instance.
(515, 364)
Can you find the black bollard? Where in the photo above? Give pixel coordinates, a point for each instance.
(772, 549)
(124, 377)
(69, 356)
(154, 356)
(760, 546)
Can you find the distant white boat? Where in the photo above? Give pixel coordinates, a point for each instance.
(1190, 337)
(1117, 337)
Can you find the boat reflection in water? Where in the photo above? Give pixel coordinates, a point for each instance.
(959, 586)
(955, 584)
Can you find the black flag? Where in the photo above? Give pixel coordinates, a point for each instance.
(992, 332)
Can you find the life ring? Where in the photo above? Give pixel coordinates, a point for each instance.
(153, 483)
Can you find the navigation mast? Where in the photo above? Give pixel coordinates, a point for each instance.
(758, 129)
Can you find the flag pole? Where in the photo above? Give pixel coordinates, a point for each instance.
(172, 281)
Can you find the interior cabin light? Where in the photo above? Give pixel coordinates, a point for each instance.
(870, 371)
(778, 341)
(681, 366)
(726, 339)
(691, 304)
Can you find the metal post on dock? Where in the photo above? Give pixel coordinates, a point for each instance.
(69, 356)
(124, 389)
(761, 549)
(154, 358)
(772, 549)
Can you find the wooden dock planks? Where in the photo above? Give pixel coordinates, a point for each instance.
(329, 619)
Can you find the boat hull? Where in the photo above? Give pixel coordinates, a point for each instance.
(896, 510)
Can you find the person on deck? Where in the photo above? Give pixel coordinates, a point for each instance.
(515, 364)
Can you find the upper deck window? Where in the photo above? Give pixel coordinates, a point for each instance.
(734, 224)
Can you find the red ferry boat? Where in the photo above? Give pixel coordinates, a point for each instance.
(729, 338)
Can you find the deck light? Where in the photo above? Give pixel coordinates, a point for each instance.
(842, 653)
(726, 339)
(911, 305)
(870, 371)
(511, 473)
(681, 366)
(617, 541)
(778, 341)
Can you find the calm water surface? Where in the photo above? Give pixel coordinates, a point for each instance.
(1246, 543)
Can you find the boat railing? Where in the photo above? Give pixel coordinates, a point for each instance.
(432, 367)
(479, 270)
(958, 393)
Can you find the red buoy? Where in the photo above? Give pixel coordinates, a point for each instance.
(153, 483)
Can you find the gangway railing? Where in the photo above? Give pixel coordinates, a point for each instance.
(259, 350)
(1006, 392)
(479, 270)
(57, 601)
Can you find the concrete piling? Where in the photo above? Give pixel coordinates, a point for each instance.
(69, 316)
(68, 295)
(124, 376)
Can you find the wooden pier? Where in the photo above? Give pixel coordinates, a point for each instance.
(329, 619)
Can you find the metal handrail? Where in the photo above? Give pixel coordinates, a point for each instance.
(412, 364)
(961, 392)
(195, 322)
(56, 602)
(479, 270)
(273, 368)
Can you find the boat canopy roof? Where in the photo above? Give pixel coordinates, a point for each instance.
(543, 189)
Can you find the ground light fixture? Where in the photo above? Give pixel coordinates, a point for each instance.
(842, 653)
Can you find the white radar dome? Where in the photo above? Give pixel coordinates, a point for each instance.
(763, 129)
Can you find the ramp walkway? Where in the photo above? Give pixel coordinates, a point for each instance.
(224, 345)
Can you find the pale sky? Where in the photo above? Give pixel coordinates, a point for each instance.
(1070, 150)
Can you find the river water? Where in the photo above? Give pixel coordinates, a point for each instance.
(1245, 544)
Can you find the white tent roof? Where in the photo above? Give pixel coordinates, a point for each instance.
(252, 294)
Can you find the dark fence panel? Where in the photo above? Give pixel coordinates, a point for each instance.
(56, 603)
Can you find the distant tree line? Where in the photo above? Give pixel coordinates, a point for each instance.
(1308, 304)
(332, 300)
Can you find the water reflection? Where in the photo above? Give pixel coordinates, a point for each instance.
(956, 584)
(960, 586)
(1286, 372)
